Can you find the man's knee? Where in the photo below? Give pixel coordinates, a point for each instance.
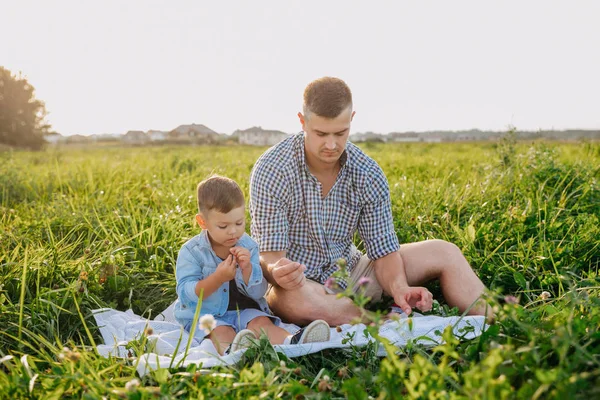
(445, 250)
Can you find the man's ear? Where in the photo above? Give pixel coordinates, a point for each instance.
(302, 119)
(200, 221)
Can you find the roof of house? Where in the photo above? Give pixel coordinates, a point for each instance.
(197, 128)
(258, 129)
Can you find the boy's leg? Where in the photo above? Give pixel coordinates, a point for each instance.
(264, 324)
(222, 336)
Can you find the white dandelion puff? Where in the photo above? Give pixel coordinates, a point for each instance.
(207, 323)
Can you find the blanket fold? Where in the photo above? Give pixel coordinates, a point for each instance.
(168, 340)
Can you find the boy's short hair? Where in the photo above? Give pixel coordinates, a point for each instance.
(327, 97)
(219, 193)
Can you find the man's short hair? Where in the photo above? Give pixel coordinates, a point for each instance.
(219, 193)
(327, 97)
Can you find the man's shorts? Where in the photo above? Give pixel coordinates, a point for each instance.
(364, 268)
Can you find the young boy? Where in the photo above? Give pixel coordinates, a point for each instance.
(222, 263)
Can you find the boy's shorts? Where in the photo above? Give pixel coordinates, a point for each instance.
(364, 268)
(238, 320)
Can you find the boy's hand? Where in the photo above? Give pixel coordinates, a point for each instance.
(242, 255)
(226, 269)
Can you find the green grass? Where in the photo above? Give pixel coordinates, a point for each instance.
(527, 217)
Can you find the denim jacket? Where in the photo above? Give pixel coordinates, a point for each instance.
(196, 261)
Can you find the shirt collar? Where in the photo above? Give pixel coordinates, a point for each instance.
(204, 240)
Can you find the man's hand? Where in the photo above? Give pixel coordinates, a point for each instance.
(289, 275)
(226, 269)
(242, 256)
(408, 297)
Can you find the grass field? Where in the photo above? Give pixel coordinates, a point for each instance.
(88, 228)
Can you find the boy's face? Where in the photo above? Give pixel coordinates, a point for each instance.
(224, 229)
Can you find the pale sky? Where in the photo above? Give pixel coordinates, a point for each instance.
(113, 66)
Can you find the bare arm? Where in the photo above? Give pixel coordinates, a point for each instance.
(391, 275)
(279, 271)
(267, 261)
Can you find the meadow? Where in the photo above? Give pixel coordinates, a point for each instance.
(87, 228)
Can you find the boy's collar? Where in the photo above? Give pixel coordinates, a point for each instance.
(204, 239)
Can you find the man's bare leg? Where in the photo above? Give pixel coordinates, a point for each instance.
(309, 303)
(423, 262)
(438, 259)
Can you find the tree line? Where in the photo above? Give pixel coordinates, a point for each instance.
(22, 116)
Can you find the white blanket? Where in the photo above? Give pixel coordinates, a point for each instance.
(168, 340)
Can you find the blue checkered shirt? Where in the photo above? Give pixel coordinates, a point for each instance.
(289, 213)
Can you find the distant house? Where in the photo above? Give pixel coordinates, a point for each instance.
(135, 137)
(194, 133)
(404, 137)
(257, 136)
(368, 137)
(157, 136)
(77, 139)
(105, 137)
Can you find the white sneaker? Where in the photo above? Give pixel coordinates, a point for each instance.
(316, 331)
(244, 339)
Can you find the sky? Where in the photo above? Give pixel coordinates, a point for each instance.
(113, 66)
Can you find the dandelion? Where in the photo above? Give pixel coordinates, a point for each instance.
(207, 323)
(324, 385)
(74, 356)
(68, 354)
(343, 373)
(545, 295)
(364, 281)
(132, 385)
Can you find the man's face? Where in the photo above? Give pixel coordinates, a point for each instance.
(224, 229)
(325, 138)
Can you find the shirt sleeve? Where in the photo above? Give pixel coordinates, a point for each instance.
(188, 272)
(268, 208)
(375, 224)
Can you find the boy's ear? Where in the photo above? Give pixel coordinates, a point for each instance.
(200, 221)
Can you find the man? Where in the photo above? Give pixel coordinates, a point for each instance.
(310, 193)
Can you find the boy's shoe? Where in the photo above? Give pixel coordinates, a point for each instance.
(242, 340)
(316, 331)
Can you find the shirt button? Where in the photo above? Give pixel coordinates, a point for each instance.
(224, 290)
